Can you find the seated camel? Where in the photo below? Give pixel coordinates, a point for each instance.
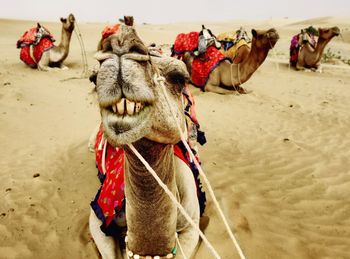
(135, 110)
(306, 48)
(213, 72)
(38, 49)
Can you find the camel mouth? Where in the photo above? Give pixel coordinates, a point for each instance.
(126, 121)
(126, 107)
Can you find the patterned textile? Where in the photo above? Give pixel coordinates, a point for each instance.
(204, 65)
(33, 44)
(232, 41)
(186, 42)
(294, 50)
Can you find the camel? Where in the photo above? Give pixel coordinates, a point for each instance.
(310, 57)
(134, 110)
(227, 77)
(55, 56)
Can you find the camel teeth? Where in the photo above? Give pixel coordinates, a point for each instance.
(114, 107)
(130, 106)
(121, 106)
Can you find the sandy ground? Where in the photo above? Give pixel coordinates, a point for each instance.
(278, 158)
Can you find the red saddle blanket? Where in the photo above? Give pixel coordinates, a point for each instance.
(202, 66)
(32, 49)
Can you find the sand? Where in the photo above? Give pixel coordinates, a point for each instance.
(277, 158)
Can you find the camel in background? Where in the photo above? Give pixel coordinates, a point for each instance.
(135, 110)
(226, 77)
(38, 50)
(309, 55)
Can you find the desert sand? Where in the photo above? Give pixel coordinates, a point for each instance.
(278, 158)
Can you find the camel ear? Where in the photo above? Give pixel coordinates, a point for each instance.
(203, 27)
(38, 25)
(71, 18)
(129, 20)
(254, 33)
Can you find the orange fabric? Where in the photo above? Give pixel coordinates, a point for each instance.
(109, 30)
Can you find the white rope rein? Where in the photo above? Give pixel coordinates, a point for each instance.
(180, 247)
(274, 54)
(173, 198)
(82, 49)
(160, 80)
(238, 76)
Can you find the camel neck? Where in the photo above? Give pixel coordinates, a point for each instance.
(256, 57)
(65, 40)
(150, 214)
(321, 45)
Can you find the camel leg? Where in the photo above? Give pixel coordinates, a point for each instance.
(188, 236)
(106, 245)
(217, 89)
(43, 64)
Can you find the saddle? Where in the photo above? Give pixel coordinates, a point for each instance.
(33, 44)
(232, 41)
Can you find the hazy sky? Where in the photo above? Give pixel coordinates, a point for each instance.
(165, 11)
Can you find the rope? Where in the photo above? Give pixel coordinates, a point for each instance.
(238, 75)
(173, 198)
(161, 80)
(180, 247)
(82, 49)
(274, 54)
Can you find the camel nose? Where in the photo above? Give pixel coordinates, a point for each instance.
(126, 41)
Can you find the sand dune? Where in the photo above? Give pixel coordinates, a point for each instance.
(278, 158)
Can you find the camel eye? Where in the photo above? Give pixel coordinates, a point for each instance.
(326, 31)
(177, 78)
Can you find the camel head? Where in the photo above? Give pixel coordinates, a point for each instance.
(132, 103)
(264, 39)
(128, 20)
(68, 23)
(328, 33)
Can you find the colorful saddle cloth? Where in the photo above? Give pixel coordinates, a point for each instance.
(185, 42)
(33, 44)
(202, 66)
(232, 41)
(109, 203)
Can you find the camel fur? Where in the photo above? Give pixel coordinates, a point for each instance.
(134, 110)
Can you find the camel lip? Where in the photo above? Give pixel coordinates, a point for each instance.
(125, 107)
(126, 129)
(124, 122)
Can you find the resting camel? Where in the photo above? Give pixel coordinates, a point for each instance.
(55, 56)
(38, 50)
(227, 77)
(309, 56)
(134, 110)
